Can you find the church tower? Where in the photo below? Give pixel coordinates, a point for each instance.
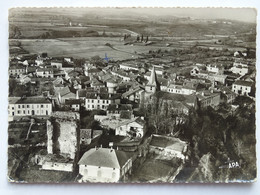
(153, 85)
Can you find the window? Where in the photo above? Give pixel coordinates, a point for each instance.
(24, 111)
(12, 108)
(88, 106)
(22, 106)
(41, 106)
(103, 101)
(18, 111)
(28, 106)
(19, 106)
(88, 100)
(92, 101)
(98, 101)
(46, 105)
(92, 106)
(107, 101)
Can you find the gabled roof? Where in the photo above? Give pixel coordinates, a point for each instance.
(244, 83)
(33, 100)
(105, 157)
(73, 101)
(132, 91)
(137, 120)
(102, 96)
(168, 142)
(189, 99)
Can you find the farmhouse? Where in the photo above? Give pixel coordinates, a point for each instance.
(104, 165)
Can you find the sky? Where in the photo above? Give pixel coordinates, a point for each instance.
(239, 14)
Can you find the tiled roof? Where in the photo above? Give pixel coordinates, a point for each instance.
(105, 157)
(131, 91)
(244, 83)
(72, 101)
(113, 107)
(33, 100)
(176, 97)
(168, 142)
(102, 96)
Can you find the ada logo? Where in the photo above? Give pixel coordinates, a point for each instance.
(233, 165)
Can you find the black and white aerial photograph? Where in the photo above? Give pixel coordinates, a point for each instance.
(132, 95)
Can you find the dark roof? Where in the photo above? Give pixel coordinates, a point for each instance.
(17, 67)
(85, 133)
(175, 97)
(33, 100)
(113, 107)
(244, 83)
(72, 101)
(102, 96)
(125, 114)
(82, 92)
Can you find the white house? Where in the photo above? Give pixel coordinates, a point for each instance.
(104, 165)
(239, 68)
(128, 67)
(132, 128)
(242, 87)
(218, 69)
(44, 72)
(100, 100)
(168, 146)
(29, 106)
(57, 64)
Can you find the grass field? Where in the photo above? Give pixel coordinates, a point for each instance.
(87, 47)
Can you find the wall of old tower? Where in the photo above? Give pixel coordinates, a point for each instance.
(63, 134)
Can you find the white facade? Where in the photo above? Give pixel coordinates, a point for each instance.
(125, 129)
(99, 174)
(57, 166)
(44, 73)
(128, 67)
(241, 89)
(216, 69)
(28, 109)
(92, 104)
